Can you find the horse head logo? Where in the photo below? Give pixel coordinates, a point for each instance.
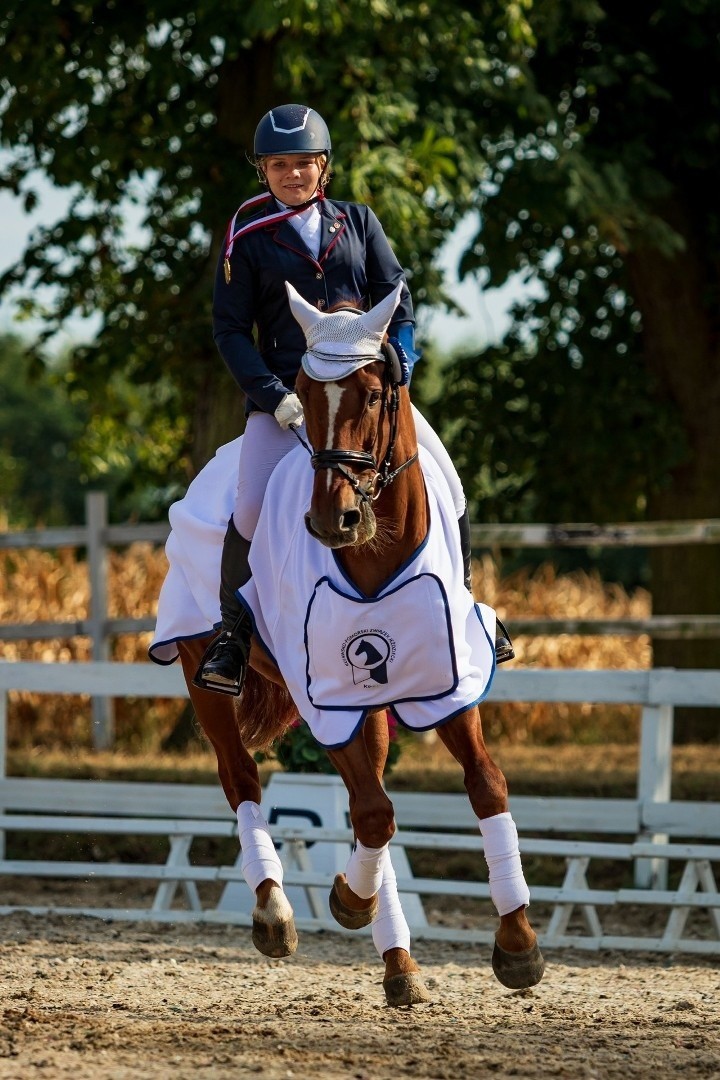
(368, 654)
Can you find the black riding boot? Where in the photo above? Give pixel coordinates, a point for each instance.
(466, 549)
(503, 645)
(225, 662)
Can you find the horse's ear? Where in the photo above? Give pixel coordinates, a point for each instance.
(378, 318)
(305, 313)
(397, 375)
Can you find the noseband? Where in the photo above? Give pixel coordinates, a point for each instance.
(383, 476)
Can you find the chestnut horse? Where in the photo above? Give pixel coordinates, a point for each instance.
(370, 505)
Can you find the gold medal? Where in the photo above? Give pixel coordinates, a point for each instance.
(226, 268)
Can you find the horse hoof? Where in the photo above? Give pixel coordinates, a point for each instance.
(275, 941)
(518, 970)
(273, 928)
(349, 917)
(405, 990)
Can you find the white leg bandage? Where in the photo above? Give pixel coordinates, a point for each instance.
(260, 860)
(364, 871)
(508, 889)
(389, 928)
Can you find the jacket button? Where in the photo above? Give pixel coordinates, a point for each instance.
(319, 275)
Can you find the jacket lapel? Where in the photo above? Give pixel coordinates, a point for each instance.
(287, 235)
(333, 226)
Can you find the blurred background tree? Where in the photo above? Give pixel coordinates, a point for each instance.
(603, 402)
(38, 429)
(160, 111)
(56, 445)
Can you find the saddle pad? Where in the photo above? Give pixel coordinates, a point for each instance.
(368, 652)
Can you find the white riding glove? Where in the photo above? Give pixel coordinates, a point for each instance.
(289, 412)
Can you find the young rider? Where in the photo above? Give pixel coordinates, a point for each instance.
(331, 252)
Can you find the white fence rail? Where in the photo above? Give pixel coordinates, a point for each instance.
(650, 831)
(98, 538)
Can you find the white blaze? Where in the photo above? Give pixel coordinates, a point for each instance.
(334, 394)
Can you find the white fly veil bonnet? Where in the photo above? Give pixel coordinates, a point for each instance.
(340, 342)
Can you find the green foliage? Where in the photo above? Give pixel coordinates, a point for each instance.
(54, 447)
(133, 447)
(565, 423)
(298, 751)
(599, 403)
(574, 127)
(159, 109)
(39, 473)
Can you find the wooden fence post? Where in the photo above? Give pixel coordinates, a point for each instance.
(96, 517)
(654, 785)
(4, 695)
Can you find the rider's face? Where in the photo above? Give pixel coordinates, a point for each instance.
(293, 178)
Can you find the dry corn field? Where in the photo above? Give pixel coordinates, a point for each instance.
(53, 586)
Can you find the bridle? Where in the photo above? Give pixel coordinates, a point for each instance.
(383, 476)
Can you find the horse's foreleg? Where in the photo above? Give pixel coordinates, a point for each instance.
(403, 984)
(354, 899)
(273, 930)
(273, 924)
(517, 960)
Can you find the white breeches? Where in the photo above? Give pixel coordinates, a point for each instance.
(264, 444)
(428, 438)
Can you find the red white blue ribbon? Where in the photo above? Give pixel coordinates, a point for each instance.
(260, 223)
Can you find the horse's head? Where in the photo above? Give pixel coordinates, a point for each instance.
(348, 386)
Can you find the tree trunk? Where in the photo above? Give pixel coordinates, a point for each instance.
(246, 90)
(681, 349)
(218, 410)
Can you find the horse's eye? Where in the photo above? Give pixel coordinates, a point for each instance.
(374, 398)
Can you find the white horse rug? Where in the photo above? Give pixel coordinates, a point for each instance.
(420, 646)
(189, 602)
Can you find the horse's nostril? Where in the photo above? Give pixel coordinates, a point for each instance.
(350, 519)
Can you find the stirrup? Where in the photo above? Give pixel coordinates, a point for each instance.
(503, 645)
(230, 682)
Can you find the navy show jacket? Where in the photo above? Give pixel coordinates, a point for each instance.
(355, 264)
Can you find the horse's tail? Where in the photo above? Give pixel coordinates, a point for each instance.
(264, 712)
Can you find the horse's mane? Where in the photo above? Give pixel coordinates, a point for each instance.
(347, 305)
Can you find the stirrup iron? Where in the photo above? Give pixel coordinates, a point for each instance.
(225, 661)
(503, 645)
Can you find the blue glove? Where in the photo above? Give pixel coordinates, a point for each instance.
(404, 345)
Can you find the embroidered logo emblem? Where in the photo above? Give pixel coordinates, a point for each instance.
(368, 654)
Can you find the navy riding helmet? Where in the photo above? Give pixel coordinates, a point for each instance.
(292, 129)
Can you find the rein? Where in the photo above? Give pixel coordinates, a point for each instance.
(383, 476)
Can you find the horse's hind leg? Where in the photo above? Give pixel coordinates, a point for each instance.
(273, 931)
(402, 983)
(517, 960)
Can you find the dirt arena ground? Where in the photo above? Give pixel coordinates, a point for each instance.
(93, 1000)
